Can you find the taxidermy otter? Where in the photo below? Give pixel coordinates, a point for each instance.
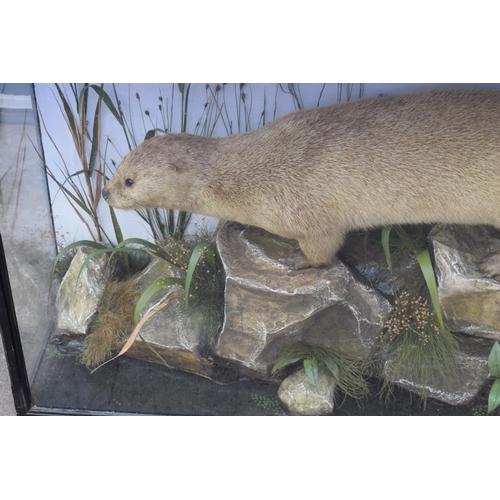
(316, 174)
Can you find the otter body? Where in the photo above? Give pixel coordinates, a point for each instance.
(314, 175)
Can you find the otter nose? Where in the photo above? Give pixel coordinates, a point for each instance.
(105, 194)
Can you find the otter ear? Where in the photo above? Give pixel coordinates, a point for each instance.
(178, 166)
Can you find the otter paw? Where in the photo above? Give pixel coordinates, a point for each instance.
(295, 260)
(490, 265)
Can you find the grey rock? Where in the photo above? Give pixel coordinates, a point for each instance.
(268, 306)
(78, 297)
(469, 297)
(301, 397)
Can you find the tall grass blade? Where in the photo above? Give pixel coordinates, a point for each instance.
(153, 350)
(109, 103)
(155, 249)
(151, 290)
(69, 194)
(119, 112)
(68, 110)
(198, 250)
(116, 225)
(181, 225)
(424, 260)
(95, 137)
(386, 233)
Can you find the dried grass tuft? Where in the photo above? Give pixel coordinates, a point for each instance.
(113, 322)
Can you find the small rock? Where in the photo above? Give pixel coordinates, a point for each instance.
(66, 343)
(301, 397)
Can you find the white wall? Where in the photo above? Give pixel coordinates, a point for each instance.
(272, 99)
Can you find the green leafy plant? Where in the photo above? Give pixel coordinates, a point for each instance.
(348, 374)
(415, 341)
(494, 368)
(126, 247)
(165, 253)
(416, 246)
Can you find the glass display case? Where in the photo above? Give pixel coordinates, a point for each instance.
(213, 349)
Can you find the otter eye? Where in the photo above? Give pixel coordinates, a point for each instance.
(129, 182)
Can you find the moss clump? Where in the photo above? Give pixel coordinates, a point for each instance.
(478, 411)
(113, 321)
(271, 405)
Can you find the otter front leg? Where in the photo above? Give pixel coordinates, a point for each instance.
(315, 251)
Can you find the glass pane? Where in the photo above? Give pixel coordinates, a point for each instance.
(25, 220)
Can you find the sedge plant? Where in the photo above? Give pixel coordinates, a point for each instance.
(415, 341)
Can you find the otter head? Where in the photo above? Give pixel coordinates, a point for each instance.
(157, 174)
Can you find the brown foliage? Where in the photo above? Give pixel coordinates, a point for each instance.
(113, 322)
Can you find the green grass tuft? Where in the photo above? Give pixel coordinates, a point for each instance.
(347, 373)
(415, 346)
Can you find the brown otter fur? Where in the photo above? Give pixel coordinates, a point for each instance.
(314, 175)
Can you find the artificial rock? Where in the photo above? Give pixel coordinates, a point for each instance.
(469, 296)
(457, 389)
(268, 306)
(79, 296)
(301, 397)
(178, 337)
